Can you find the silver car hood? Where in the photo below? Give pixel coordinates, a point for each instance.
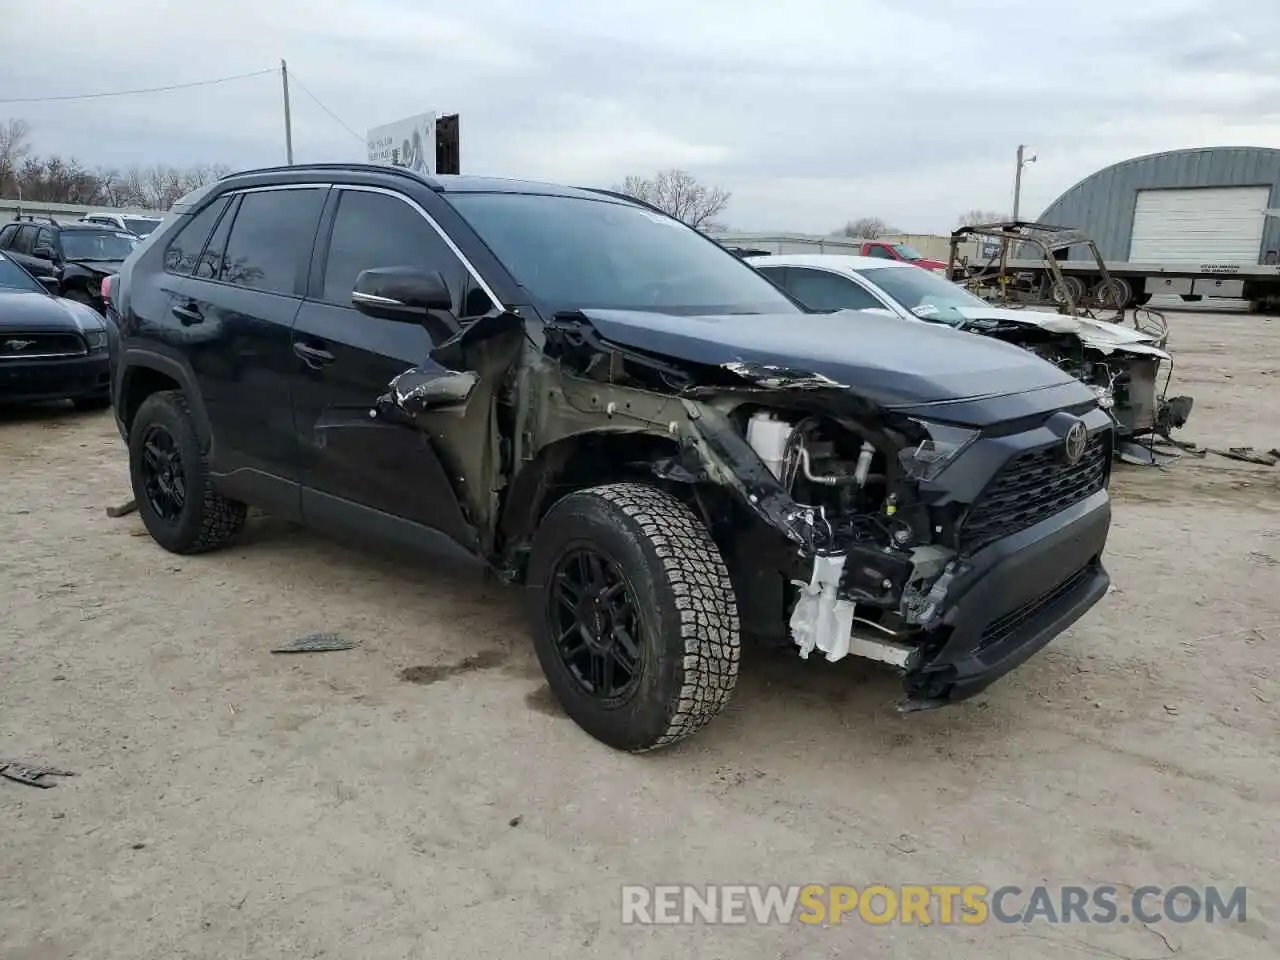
(1100, 335)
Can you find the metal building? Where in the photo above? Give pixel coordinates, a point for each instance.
(1205, 205)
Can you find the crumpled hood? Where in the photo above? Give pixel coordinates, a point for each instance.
(99, 267)
(874, 355)
(36, 312)
(1101, 335)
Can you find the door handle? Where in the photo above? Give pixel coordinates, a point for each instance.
(188, 314)
(313, 357)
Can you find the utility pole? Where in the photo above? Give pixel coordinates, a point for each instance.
(1017, 203)
(288, 119)
(1017, 178)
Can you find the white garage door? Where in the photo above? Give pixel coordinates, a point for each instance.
(1199, 225)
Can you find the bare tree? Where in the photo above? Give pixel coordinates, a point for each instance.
(867, 228)
(980, 216)
(157, 187)
(14, 148)
(680, 195)
(55, 179)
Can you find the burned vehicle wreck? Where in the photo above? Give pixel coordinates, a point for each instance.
(661, 448)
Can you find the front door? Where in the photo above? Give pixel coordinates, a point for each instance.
(344, 360)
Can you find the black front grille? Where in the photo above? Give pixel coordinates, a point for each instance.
(23, 345)
(1032, 487)
(1005, 627)
(51, 379)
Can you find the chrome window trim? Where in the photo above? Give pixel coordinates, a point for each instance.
(453, 247)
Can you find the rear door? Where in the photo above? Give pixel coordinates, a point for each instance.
(344, 360)
(234, 313)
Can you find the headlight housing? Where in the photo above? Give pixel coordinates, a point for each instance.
(96, 339)
(941, 445)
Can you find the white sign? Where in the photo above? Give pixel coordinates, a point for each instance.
(406, 143)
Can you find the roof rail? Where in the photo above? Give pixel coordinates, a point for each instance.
(33, 218)
(619, 195)
(341, 167)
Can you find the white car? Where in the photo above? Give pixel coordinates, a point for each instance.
(1121, 363)
(136, 223)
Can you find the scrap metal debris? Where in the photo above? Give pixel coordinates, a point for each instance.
(126, 508)
(315, 643)
(32, 774)
(1269, 458)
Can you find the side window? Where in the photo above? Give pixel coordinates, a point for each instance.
(378, 230)
(45, 239)
(211, 260)
(180, 256)
(25, 240)
(819, 290)
(881, 251)
(776, 275)
(6, 236)
(270, 241)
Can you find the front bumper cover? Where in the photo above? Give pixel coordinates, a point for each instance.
(1017, 595)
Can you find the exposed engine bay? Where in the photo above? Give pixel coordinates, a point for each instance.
(868, 589)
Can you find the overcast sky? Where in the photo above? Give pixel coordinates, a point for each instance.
(812, 112)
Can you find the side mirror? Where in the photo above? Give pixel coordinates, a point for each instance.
(52, 284)
(401, 293)
(44, 252)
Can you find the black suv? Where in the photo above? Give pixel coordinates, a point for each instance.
(76, 255)
(597, 402)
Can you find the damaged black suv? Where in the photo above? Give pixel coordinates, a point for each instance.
(588, 398)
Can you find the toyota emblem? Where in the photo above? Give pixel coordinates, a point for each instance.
(1077, 440)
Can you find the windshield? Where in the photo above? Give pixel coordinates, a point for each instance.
(908, 252)
(140, 225)
(573, 253)
(14, 277)
(97, 244)
(926, 294)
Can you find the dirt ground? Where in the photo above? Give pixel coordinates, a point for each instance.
(233, 803)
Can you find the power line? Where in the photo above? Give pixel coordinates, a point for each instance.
(129, 93)
(336, 119)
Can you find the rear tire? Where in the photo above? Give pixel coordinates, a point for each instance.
(677, 650)
(171, 481)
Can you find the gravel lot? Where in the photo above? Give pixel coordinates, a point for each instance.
(234, 803)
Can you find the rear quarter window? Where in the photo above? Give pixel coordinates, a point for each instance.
(183, 251)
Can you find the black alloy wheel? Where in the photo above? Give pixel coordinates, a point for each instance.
(595, 621)
(164, 482)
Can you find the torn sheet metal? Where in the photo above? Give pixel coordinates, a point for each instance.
(781, 378)
(418, 389)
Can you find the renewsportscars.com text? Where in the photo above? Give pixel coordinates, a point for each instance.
(917, 904)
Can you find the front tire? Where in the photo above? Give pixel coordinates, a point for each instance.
(171, 481)
(635, 622)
